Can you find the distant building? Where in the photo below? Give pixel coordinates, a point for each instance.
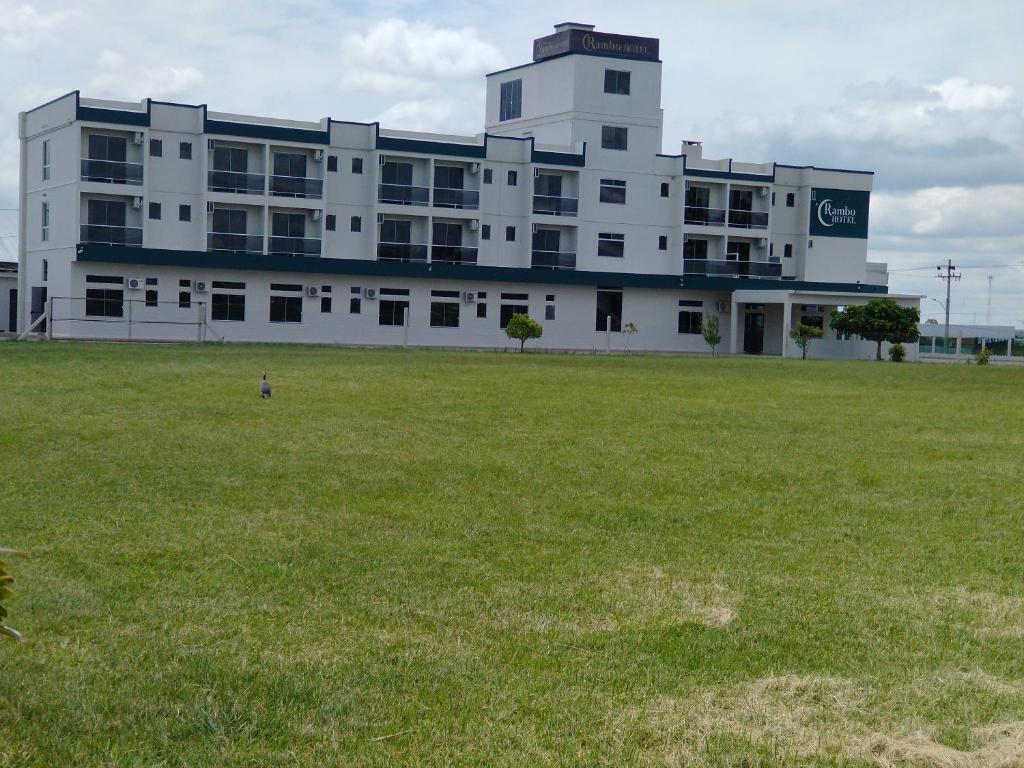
(155, 220)
(1004, 341)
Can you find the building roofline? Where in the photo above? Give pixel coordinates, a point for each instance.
(830, 170)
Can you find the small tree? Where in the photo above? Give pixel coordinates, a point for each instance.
(523, 328)
(630, 329)
(711, 334)
(5, 590)
(802, 336)
(879, 320)
(897, 353)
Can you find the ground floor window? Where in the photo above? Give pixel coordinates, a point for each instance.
(286, 309)
(227, 306)
(690, 322)
(152, 298)
(444, 314)
(104, 302)
(392, 312)
(609, 310)
(185, 296)
(507, 310)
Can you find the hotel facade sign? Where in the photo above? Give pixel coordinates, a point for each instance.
(597, 44)
(839, 213)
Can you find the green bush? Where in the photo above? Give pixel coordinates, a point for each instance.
(522, 328)
(983, 356)
(897, 353)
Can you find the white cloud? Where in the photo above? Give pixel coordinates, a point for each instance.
(432, 115)
(116, 76)
(23, 27)
(987, 212)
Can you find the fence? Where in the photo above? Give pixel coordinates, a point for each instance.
(111, 316)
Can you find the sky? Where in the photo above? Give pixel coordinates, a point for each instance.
(928, 95)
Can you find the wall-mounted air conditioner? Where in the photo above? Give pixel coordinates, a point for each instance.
(199, 286)
(763, 192)
(468, 296)
(134, 283)
(474, 168)
(318, 155)
(763, 242)
(139, 137)
(136, 202)
(317, 214)
(312, 291)
(474, 224)
(722, 306)
(370, 293)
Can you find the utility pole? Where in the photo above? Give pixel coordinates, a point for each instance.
(988, 309)
(949, 277)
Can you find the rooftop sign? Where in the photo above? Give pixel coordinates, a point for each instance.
(839, 213)
(596, 44)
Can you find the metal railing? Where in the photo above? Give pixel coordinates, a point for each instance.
(453, 254)
(709, 216)
(295, 246)
(403, 194)
(111, 171)
(721, 268)
(555, 206)
(748, 219)
(447, 197)
(401, 252)
(236, 182)
(296, 186)
(105, 234)
(552, 260)
(230, 241)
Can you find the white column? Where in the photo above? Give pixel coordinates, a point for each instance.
(734, 323)
(787, 312)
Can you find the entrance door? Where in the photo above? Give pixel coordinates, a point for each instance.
(12, 320)
(38, 307)
(753, 333)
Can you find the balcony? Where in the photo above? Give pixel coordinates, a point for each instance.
(111, 171)
(402, 194)
(708, 216)
(748, 219)
(453, 254)
(555, 206)
(229, 241)
(108, 235)
(296, 186)
(401, 252)
(445, 197)
(295, 246)
(719, 268)
(235, 182)
(553, 260)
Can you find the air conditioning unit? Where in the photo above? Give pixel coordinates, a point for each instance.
(312, 291)
(722, 306)
(210, 206)
(474, 224)
(370, 293)
(317, 214)
(763, 242)
(211, 144)
(199, 286)
(468, 296)
(763, 192)
(136, 202)
(139, 137)
(318, 155)
(474, 168)
(134, 283)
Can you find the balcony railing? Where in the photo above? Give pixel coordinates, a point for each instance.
(555, 206)
(108, 235)
(709, 216)
(553, 260)
(402, 194)
(111, 171)
(719, 268)
(296, 186)
(295, 246)
(401, 252)
(748, 219)
(453, 254)
(446, 197)
(229, 241)
(236, 182)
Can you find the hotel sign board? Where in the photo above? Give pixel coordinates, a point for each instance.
(839, 213)
(597, 44)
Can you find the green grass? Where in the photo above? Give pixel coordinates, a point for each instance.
(413, 558)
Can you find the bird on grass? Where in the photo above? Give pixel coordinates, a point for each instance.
(265, 387)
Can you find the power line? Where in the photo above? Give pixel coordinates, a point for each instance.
(949, 277)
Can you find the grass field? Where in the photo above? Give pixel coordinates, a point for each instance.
(413, 558)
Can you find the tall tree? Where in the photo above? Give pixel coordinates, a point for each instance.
(879, 320)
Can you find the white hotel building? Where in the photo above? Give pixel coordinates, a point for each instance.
(164, 221)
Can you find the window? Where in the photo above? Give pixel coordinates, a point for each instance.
(511, 106)
(513, 178)
(229, 221)
(112, 148)
(481, 310)
(614, 137)
(662, 242)
(698, 197)
(356, 224)
(611, 244)
(449, 177)
(741, 199)
(444, 314)
(355, 303)
(690, 322)
(151, 298)
(331, 222)
(616, 81)
(392, 312)
(787, 250)
(485, 232)
(46, 160)
(184, 299)
(507, 310)
(286, 287)
(227, 306)
(154, 211)
(357, 165)
(104, 302)
(290, 164)
(156, 148)
(773, 199)
(229, 285)
(185, 150)
(184, 213)
(230, 160)
(325, 305)
(771, 250)
(510, 233)
(790, 199)
(664, 189)
(152, 281)
(613, 191)
(106, 213)
(332, 163)
(46, 270)
(549, 297)
(396, 173)
(609, 309)
(44, 215)
(549, 312)
(396, 231)
(488, 175)
(105, 279)
(285, 309)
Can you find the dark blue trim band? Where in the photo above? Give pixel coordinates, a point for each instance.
(706, 174)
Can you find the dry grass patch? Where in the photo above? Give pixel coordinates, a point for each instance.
(996, 746)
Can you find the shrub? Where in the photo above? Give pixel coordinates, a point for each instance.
(983, 356)
(710, 330)
(522, 328)
(897, 353)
